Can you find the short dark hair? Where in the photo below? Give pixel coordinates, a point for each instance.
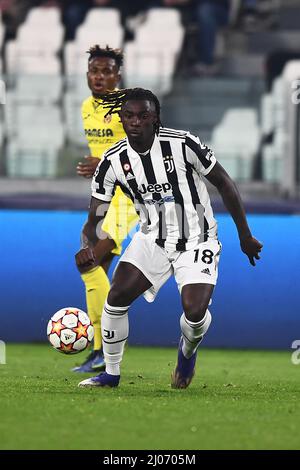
(115, 100)
(98, 51)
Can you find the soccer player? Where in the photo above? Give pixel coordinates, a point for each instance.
(162, 171)
(101, 132)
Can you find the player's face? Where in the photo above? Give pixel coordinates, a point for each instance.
(138, 119)
(103, 75)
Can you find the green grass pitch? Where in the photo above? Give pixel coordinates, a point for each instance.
(237, 400)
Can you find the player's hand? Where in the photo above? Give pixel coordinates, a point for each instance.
(88, 167)
(251, 247)
(85, 259)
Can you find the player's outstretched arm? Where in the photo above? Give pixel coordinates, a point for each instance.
(232, 200)
(88, 167)
(91, 236)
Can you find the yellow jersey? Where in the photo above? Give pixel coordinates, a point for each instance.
(100, 132)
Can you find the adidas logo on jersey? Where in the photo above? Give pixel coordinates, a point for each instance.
(130, 176)
(206, 271)
(155, 188)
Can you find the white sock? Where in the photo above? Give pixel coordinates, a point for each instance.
(192, 333)
(115, 329)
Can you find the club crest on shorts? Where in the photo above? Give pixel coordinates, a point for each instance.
(169, 163)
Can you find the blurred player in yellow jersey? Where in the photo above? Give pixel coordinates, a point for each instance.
(101, 133)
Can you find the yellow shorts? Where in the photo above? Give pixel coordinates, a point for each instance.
(120, 219)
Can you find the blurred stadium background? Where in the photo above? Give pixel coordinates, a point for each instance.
(247, 110)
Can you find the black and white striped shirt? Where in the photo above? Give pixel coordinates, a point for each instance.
(166, 186)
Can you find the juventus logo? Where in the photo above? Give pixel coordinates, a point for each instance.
(169, 163)
(108, 334)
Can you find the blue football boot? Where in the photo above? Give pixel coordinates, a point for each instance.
(185, 369)
(101, 380)
(93, 363)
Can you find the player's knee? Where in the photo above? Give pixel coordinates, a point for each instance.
(117, 297)
(194, 311)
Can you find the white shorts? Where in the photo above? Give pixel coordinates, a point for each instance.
(199, 265)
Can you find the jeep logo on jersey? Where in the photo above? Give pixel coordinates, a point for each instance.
(169, 163)
(155, 188)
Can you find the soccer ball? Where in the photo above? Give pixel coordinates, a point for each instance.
(70, 330)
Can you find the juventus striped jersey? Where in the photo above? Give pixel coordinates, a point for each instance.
(166, 186)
